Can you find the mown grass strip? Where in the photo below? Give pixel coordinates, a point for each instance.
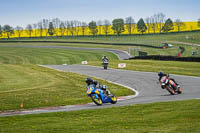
(171, 67)
(18, 55)
(173, 51)
(164, 117)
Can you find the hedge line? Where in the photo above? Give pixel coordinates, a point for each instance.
(124, 44)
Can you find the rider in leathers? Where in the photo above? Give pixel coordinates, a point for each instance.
(96, 84)
(161, 75)
(105, 59)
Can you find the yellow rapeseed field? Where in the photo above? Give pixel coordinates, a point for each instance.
(188, 26)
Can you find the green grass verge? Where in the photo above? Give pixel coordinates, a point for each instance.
(37, 87)
(20, 55)
(151, 51)
(157, 39)
(174, 38)
(172, 67)
(164, 117)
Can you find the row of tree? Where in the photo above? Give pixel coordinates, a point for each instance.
(157, 22)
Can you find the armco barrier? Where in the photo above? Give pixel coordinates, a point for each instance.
(167, 58)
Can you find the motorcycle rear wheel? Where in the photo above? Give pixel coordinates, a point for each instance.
(179, 90)
(105, 66)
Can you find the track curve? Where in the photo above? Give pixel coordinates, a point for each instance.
(144, 82)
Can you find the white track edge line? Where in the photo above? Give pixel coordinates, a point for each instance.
(128, 97)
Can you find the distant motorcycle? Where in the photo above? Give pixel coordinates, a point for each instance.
(169, 85)
(105, 62)
(98, 97)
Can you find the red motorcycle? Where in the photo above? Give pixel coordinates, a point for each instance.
(170, 85)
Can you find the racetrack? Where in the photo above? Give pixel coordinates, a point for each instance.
(143, 82)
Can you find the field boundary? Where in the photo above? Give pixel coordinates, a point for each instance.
(102, 43)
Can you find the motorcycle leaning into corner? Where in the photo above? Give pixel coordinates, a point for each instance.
(98, 97)
(169, 84)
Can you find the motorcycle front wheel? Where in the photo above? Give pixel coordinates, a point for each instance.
(96, 99)
(171, 90)
(114, 100)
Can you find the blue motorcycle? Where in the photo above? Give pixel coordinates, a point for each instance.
(98, 97)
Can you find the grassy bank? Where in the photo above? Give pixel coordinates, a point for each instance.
(23, 82)
(19, 55)
(37, 87)
(177, 39)
(172, 67)
(151, 51)
(165, 117)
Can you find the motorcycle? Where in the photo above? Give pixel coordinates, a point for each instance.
(105, 62)
(98, 97)
(169, 85)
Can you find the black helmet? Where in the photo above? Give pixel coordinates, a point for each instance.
(160, 74)
(95, 82)
(88, 80)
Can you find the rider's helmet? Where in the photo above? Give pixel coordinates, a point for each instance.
(160, 74)
(88, 80)
(95, 82)
(104, 56)
(104, 87)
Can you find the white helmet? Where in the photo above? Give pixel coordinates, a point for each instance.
(104, 87)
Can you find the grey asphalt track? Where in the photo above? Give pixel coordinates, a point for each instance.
(143, 82)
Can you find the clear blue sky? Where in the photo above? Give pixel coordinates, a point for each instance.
(23, 12)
